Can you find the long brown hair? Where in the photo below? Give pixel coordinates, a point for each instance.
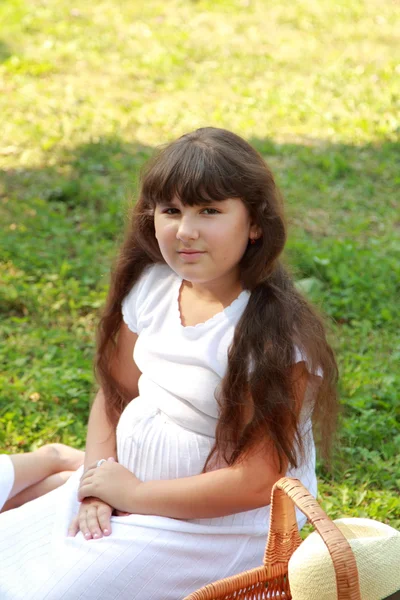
(214, 164)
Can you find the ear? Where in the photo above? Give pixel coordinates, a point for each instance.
(254, 231)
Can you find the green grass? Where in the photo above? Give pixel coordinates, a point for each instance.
(86, 93)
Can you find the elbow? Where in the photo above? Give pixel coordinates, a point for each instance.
(258, 495)
(262, 491)
(262, 496)
(257, 477)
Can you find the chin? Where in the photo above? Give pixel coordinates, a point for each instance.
(189, 274)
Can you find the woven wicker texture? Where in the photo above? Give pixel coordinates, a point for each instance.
(271, 579)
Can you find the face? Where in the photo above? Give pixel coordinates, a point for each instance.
(204, 243)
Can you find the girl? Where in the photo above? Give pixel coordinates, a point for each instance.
(226, 363)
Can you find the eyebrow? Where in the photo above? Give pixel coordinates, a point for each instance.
(173, 202)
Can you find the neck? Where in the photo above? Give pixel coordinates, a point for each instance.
(222, 290)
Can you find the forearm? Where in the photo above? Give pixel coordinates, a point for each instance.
(100, 439)
(214, 494)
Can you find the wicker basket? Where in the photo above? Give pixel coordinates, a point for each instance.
(271, 580)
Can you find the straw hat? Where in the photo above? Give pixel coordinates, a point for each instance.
(376, 548)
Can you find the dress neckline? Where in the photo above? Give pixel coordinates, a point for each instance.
(225, 312)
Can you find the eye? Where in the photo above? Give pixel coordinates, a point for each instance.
(212, 211)
(170, 211)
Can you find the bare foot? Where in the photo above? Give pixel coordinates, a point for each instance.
(66, 458)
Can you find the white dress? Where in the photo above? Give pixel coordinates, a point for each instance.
(167, 432)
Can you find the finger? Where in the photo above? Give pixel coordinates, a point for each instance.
(80, 494)
(104, 518)
(88, 473)
(74, 527)
(83, 524)
(92, 522)
(83, 480)
(85, 491)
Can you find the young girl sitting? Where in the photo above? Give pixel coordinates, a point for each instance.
(210, 366)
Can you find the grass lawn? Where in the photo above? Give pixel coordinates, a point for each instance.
(86, 93)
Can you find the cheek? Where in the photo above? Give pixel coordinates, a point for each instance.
(234, 242)
(164, 232)
(235, 234)
(232, 250)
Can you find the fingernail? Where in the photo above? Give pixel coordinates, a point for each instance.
(96, 535)
(87, 535)
(106, 531)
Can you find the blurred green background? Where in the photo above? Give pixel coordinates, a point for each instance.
(86, 93)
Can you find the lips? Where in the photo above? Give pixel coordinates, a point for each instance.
(190, 251)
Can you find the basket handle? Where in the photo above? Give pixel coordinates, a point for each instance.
(284, 537)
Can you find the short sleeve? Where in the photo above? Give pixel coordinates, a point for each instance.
(133, 301)
(148, 293)
(299, 357)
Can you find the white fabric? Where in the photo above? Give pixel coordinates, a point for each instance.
(376, 548)
(6, 478)
(167, 432)
(187, 363)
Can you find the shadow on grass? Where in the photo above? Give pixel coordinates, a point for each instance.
(85, 177)
(72, 213)
(332, 192)
(312, 172)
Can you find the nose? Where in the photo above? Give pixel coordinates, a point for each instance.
(187, 229)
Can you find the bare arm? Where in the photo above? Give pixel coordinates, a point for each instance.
(215, 494)
(94, 514)
(225, 491)
(101, 440)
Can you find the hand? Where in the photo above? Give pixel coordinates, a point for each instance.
(93, 519)
(112, 483)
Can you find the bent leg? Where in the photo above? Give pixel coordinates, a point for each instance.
(38, 489)
(33, 467)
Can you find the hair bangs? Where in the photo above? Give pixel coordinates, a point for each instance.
(190, 172)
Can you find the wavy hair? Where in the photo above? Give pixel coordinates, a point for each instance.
(212, 164)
